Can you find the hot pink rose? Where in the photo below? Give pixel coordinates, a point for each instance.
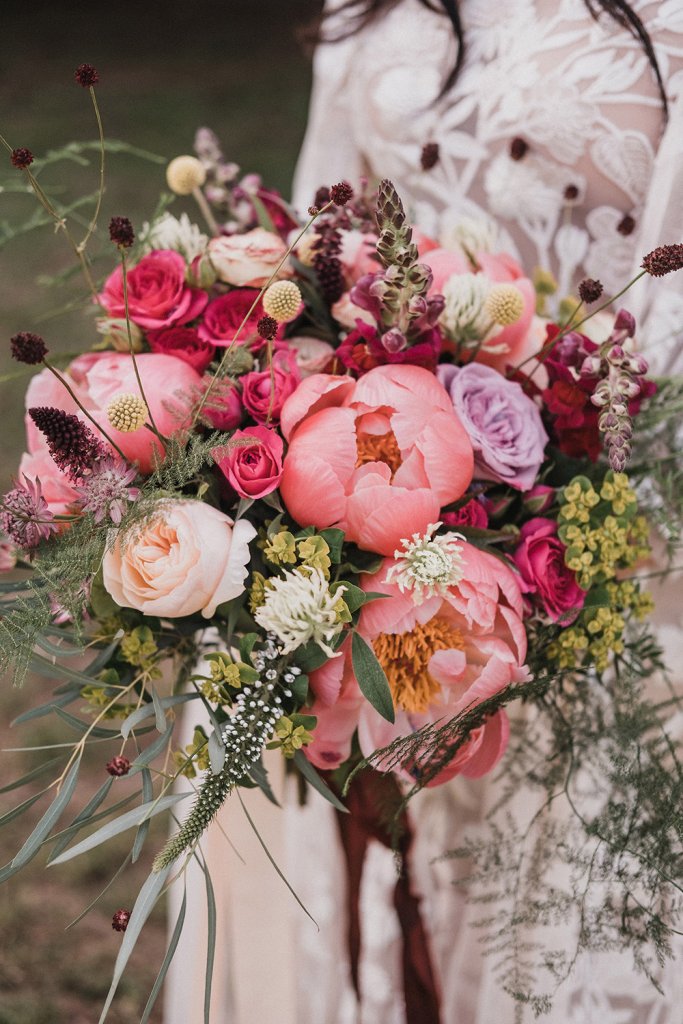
(224, 315)
(253, 469)
(264, 392)
(471, 514)
(540, 560)
(223, 408)
(98, 377)
(464, 647)
(188, 558)
(185, 344)
(158, 295)
(378, 457)
(247, 260)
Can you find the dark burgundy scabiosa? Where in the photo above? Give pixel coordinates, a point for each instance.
(121, 232)
(429, 157)
(118, 766)
(25, 516)
(322, 196)
(86, 75)
(571, 193)
(341, 193)
(326, 262)
(664, 260)
(518, 148)
(21, 158)
(28, 348)
(267, 327)
(590, 290)
(626, 225)
(72, 445)
(119, 921)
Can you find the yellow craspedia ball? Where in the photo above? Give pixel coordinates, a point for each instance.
(504, 304)
(282, 300)
(184, 175)
(127, 413)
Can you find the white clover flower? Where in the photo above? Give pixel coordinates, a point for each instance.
(299, 607)
(429, 565)
(180, 234)
(464, 316)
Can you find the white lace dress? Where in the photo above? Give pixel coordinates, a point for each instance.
(598, 184)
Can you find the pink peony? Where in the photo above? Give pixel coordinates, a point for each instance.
(378, 457)
(224, 316)
(183, 343)
(264, 392)
(253, 470)
(158, 295)
(97, 377)
(540, 560)
(441, 658)
(247, 260)
(188, 558)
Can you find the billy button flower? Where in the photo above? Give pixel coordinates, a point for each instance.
(282, 301)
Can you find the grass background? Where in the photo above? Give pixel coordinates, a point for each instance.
(238, 67)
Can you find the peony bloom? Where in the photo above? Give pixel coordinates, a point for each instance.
(252, 469)
(247, 260)
(157, 293)
(378, 457)
(504, 424)
(441, 657)
(541, 563)
(187, 558)
(98, 377)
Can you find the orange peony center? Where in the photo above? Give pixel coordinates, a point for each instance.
(378, 448)
(405, 657)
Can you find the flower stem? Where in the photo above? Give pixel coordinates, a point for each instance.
(200, 199)
(93, 223)
(131, 347)
(63, 381)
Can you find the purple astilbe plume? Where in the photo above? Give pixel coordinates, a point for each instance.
(621, 386)
(72, 445)
(25, 516)
(106, 491)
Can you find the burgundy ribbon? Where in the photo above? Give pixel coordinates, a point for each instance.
(369, 796)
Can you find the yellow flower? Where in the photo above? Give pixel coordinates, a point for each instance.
(184, 175)
(314, 551)
(281, 549)
(282, 300)
(127, 412)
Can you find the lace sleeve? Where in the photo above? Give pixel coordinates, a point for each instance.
(329, 151)
(658, 305)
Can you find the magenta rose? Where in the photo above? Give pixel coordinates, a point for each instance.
(504, 424)
(185, 344)
(264, 392)
(223, 408)
(253, 469)
(540, 560)
(224, 315)
(158, 295)
(472, 513)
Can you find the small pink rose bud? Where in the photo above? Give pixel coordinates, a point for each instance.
(538, 499)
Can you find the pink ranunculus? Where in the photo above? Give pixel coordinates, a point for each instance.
(253, 469)
(378, 457)
(540, 560)
(503, 424)
(247, 260)
(168, 383)
(183, 343)
(264, 392)
(158, 295)
(465, 647)
(187, 558)
(224, 316)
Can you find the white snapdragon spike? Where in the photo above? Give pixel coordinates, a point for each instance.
(299, 607)
(464, 316)
(180, 234)
(428, 565)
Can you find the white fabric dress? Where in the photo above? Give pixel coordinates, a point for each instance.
(600, 184)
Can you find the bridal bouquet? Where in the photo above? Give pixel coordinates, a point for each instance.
(349, 491)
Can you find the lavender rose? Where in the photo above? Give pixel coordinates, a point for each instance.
(503, 424)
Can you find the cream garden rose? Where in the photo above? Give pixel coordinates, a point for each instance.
(189, 557)
(247, 261)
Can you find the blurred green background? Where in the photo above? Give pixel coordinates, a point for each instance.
(239, 67)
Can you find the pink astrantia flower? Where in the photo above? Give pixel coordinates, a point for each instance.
(158, 295)
(25, 516)
(378, 457)
(441, 657)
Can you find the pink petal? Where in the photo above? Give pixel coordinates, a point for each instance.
(378, 518)
(319, 391)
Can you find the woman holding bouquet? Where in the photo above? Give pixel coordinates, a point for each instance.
(551, 130)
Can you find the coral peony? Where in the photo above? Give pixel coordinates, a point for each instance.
(441, 657)
(378, 457)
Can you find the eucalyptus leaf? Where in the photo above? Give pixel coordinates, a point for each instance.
(216, 752)
(311, 776)
(46, 709)
(211, 943)
(170, 953)
(85, 727)
(160, 717)
(147, 755)
(143, 829)
(83, 817)
(147, 710)
(371, 678)
(30, 776)
(17, 811)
